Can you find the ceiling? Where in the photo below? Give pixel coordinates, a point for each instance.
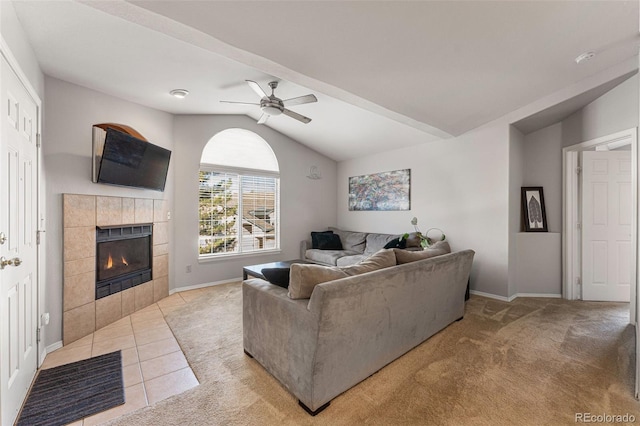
(387, 74)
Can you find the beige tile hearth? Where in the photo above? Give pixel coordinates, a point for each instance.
(109, 211)
(79, 210)
(153, 365)
(82, 213)
(79, 322)
(79, 243)
(128, 211)
(143, 210)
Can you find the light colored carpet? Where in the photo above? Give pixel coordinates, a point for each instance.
(528, 362)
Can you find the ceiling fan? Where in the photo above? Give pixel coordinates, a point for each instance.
(272, 105)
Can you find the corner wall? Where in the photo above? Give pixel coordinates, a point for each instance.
(70, 112)
(612, 112)
(306, 204)
(460, 185)
(516, 180)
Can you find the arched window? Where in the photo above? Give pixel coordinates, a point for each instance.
(239, 195)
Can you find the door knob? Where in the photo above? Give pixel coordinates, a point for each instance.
(16, 261)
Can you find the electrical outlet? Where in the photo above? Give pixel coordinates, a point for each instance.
(168, 215)
(188, 269)
(45, 318)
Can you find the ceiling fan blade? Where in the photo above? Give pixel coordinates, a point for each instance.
(256, 88)
(307, 99)
(263, 118)
(297, 116)
(242, 103)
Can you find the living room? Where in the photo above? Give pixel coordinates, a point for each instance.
(467, 185)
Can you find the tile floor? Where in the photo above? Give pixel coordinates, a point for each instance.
(153, 365)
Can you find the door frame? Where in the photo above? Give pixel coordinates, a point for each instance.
(6, 53)
(571, 235)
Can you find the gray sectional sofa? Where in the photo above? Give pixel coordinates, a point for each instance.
(353, 326)
(356, 246)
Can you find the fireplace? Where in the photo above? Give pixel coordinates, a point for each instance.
(123, 257)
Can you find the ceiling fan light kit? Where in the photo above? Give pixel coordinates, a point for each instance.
(271, 105)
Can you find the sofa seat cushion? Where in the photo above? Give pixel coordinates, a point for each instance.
(406, 256)
(326, 257)
(384, 258)
(304, 277)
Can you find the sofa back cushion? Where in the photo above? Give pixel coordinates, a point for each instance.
(381, 259)
(376, 242)
(438, 249)
(304, 277)
(351, 241)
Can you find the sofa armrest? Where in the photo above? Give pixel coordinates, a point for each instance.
(304, 246)
(280, 333)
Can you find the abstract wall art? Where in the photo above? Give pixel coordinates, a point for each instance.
(386, 191)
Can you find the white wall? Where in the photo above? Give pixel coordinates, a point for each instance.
(543, 167)
(516, 179)
(616, 110)
(70, 112)
(306, 204)
(460, 185)
(16, 39)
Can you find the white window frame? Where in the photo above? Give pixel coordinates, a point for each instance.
(213, 257)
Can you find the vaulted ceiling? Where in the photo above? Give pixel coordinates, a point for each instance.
(387, 74)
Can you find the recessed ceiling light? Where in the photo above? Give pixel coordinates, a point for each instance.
(585, 57)
(179, 93)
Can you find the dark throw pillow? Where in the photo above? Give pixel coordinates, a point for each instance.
(277, 276)
(314, 238)
(325, 241)
(396, 243)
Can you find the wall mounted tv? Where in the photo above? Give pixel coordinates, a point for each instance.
(124, 160)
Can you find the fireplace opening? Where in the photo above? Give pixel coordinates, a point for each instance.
(123, 257)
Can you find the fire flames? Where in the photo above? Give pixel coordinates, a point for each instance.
(109, 264)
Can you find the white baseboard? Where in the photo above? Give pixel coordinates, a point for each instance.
(197, 286)
(547, 295)
(47, 350)
(515, 296)
(491, 296)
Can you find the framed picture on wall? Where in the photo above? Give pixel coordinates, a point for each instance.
(381, 191)
(535, 216)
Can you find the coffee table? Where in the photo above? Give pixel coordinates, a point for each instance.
(256, 270)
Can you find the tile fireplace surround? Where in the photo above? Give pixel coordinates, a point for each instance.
(83, 314)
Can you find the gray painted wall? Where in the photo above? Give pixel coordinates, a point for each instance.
(460, 185)
(516, 182)
(70, 111)
(615, 111)
(542, 166)
(306, 204)
(612, 112)
(16, 39)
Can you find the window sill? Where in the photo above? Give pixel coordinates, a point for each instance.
(234, 256)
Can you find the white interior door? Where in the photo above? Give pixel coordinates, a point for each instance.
(18, 250)
(607, 212)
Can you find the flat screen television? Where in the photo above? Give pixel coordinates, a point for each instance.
(123, 160)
